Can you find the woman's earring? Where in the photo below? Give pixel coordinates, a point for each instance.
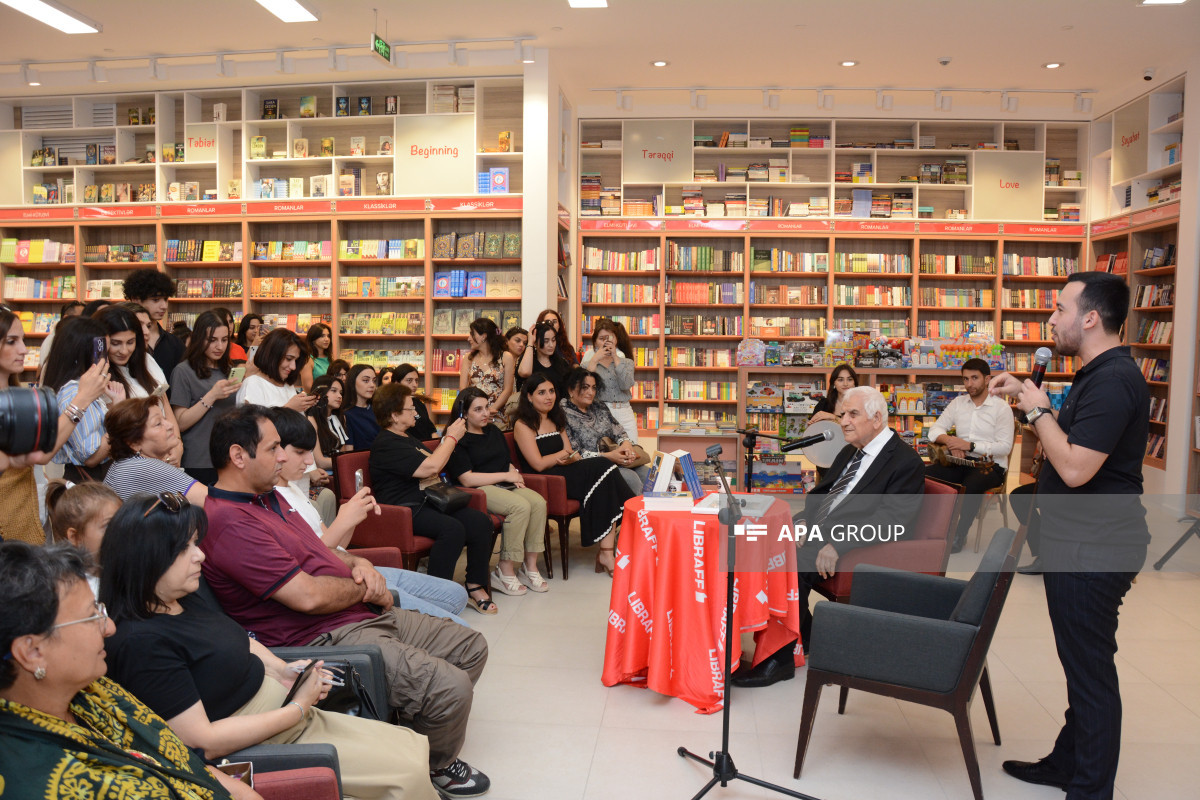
(39, 674)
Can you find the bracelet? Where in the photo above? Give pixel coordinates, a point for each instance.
(73, 413)
(206, 405)
(303, 713)
(451, 438)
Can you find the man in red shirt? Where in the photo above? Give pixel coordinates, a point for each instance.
(286, 588)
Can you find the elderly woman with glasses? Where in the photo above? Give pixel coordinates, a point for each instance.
(141, 436)
(219, 689)
(68, 731)
(588, 422)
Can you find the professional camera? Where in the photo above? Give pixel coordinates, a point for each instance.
(28, 420)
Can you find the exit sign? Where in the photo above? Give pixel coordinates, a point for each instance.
(381, 48)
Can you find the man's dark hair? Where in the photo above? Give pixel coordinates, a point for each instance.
(978, 365)
(92, 306)
(142, 284)
(293, 428)
(1107, 295)
(238, 426)
(138, 549)
(273, 348)
(30, 580)
(67, 306)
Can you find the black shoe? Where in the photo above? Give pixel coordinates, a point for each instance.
(773, 669)
(957, 545)
(1037, 772)
(1032, 568)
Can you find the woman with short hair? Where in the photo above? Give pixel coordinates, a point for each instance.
(280, 358)
(141, 437)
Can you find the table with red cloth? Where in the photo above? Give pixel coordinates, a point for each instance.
(666, 627)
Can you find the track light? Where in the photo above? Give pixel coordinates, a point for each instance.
(824, 101)
(773, 103)
(452, 54)
(1008, 102)
(527, 54)
(225, 69)
(699, 101)
(337, 63)
(1083, 105)
(883, 101)
(283, 65)
(97, 72)
(158, 71)
(30, 76)
(624, 101)
(941, 102)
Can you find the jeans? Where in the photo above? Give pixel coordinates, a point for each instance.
(436, 597)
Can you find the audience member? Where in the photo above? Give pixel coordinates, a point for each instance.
(325, 417)
(612, 361)
(153, 289)
(361, 427)
(280, 357)
(201, 391)
(142, 440)
(488, 365)
(560, 332)
(589, 422)
(542, 356)
(423, 428)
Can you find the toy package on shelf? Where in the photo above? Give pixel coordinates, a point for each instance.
(751, 352)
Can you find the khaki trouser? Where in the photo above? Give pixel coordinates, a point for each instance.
(432, 667)
(524, 512)
(377, 761)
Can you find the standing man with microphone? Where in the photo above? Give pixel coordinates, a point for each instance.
(1093, 531)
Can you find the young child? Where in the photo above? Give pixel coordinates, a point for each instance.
(79, 513)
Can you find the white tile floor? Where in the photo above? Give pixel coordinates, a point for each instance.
(543, 726)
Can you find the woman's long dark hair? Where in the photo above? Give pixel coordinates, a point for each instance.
(314, 333)
(195, 354)
(319, 412)
(528, 414)
(496, 342)
(558, 361)
(117, 319)
(624, 344)
(273, 349)
(352, 383)
(7, 320)
(564, 345)
(71, 355)
(462, 403)
(244, 327)
(832, 394)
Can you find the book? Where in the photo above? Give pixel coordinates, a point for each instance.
(345, 185)
(342, 108)
(463, 317)
(358, 145)
(258, 147)
(443, 321)
(385, 146)
(511, 319)
(308, 106)
(383, 183)
(667, 501)
(108, 154)
(499, 180)
(512, 245)
(364, 106)
(300, 148)
(658, 479)
(327, 147)
(476, 284)
(107, 192)
(270, 108)
(390, 104)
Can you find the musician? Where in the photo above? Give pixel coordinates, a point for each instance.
(876, 480)
(983, 426)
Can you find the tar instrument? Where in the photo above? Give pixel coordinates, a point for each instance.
(823, 453)
(940, 454)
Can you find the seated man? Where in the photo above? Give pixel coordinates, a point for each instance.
(285, 587)
(983, 426)
(874, 462)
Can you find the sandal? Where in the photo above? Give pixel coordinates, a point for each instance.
(535, 580)
(484, 606)
(507, 584)
(601, 567)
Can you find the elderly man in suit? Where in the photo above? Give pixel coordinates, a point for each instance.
(876, 480)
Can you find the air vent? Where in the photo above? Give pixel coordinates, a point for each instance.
(46, 117)
(104, 115)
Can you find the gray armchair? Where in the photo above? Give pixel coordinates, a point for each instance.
(914, 637)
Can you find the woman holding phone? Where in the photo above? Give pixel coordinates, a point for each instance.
(280, 358)
(202, 389)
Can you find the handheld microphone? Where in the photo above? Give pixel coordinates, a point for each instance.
(807, 441)
(1040, 359)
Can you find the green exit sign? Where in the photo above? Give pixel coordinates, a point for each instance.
(381, 48)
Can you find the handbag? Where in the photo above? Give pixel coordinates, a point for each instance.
(347, 696)
(446, 499)
(643, 458)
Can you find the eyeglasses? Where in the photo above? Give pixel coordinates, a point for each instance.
(408, 408)
(101, 615)
(172, 501)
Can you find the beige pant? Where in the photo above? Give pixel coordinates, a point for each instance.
(377, 760)
(524, 512)
(432, 667)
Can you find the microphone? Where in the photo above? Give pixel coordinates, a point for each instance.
(1040, 359)
(807, 441)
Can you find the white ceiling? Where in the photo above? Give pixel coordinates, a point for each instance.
(995, 44)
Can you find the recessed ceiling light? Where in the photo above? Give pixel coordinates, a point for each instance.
(588, 3)
(1052, 64)
(288, 10)
(659, 63)
(1163, 2)
(849, 63)
(54, 15)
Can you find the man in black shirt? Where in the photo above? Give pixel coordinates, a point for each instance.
(152, 289)
(1093, 546)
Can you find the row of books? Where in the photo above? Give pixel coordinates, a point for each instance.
(477, 244)
(886, 327)
(1116, 263)
(702, 325)
(1029, 331)
(1050, 266)
(209, 287)
(349, 249)
(600, 258)
(22, 287)
(787, 326)
(593, 292)
(693, 292)
(446, 360)
(452, 321)
(276, 250)
(700, 357)
(291, 288)
(1023, 362)
(958, 297)
(1017, 299)
(642, 325)
(954, 328)
(777, 259)
(189, 318)
(872, 262)
(1158, 409)
(688, 389)
(948, 264)
(1154, 257)
(1155, 445)
(788, 295)
(105, 289)
(300, 323)
(385, 358)
(853, 295)
(1149, 295)
(1154, 369)
(37, 323)
(349, 182)
(704, 258)
(201, 250)
(386, 323)
(690, 417)
(461, 283)
(385, 286)
(1154, 331)
(119, 253)
(299, 149)
(36, 251)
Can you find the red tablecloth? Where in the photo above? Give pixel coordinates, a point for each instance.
(666, 626)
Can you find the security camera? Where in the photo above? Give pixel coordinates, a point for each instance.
(944, 60)
(1148, 74)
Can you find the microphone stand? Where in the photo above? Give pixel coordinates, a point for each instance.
(748, 442)
(721, 761)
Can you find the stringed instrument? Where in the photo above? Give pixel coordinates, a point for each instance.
(940, 454)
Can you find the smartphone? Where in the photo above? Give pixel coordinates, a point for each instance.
(99, 348)
(236, 374)
(358, 481)
(159, 390)
(300, 679)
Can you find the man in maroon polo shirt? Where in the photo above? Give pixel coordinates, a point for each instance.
(286, 588)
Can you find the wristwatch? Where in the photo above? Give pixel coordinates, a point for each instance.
(1033, 416)
(972, 449)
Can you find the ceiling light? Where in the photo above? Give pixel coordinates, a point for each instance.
(225, 69)
(157, 71)
(588, 3)
(624, 102)
(1052, 64)
(849, 63)
(527, 54)
(98, 73)
(1008, 102)
(452, 53)
(824, 101)
(883, 101)
(288, 10)
(1162, 2)
(659, 63)
(54, 15)
(283, 65)
(699, 101)
(1083, 104)
(30, 76)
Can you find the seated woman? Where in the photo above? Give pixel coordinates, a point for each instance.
(481, 461)
(361, 427)
(429, 595)
(326, 420)
(217, 688)
(409, 375)
(140, 436)
(68, 731)
(842, 379)
(540, 432)
(589, 421)
(400, 469)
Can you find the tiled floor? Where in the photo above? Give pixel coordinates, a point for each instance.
(543, 726)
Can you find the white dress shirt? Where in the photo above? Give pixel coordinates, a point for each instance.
(988, 426)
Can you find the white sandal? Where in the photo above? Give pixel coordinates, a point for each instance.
(534, 579)
(506, 584)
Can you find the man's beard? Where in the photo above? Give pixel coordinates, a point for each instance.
(1067, 340)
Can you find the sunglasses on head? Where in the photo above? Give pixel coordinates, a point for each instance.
(172, 501)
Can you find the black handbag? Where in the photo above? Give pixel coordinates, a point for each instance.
(446, 499)
(351, 698)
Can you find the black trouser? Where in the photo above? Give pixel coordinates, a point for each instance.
(450, 533)
(1021, 499)
(975, 482)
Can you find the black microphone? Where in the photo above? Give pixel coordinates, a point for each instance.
(807, 441)
(1040, 359)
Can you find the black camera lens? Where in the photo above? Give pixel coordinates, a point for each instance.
(28, 420)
